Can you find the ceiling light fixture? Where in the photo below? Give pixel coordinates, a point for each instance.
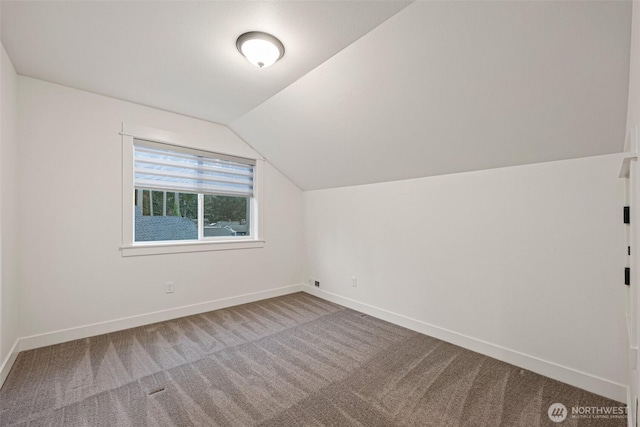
(261, 49)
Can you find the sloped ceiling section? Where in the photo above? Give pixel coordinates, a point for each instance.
(179, 56)
(444, 87)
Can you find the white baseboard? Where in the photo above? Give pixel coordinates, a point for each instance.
(8, 361)
(567, 375)
(57, 337)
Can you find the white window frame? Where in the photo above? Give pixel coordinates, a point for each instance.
(132, 248)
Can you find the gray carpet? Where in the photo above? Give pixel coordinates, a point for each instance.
(294, 360)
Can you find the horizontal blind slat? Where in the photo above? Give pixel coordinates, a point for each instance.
(177, 188)
(161, 175)
(167, 170)
(236, 171)
(143, 148)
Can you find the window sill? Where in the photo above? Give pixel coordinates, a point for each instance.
(141, 249)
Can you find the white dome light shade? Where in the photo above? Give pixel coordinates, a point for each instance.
(261, 49)
(260, 52)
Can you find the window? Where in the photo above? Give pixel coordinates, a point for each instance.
(183, 199)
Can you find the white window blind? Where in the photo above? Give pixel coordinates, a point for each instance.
(165, 167)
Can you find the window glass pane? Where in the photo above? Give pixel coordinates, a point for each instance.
(164, 215)
(226, 216)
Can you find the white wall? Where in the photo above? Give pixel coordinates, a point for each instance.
(73, 274)
(633, 260)
(448, 86)
(8, 209)
(524, 263)
(633, 101)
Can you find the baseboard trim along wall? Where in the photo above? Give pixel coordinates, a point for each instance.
(8, 361)
(57, 337)
(561, 373)
(565, 374)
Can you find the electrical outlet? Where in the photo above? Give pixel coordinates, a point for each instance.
(354, 281)
(169, 287)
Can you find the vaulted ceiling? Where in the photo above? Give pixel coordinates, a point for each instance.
(367, 91)
(179, 56)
